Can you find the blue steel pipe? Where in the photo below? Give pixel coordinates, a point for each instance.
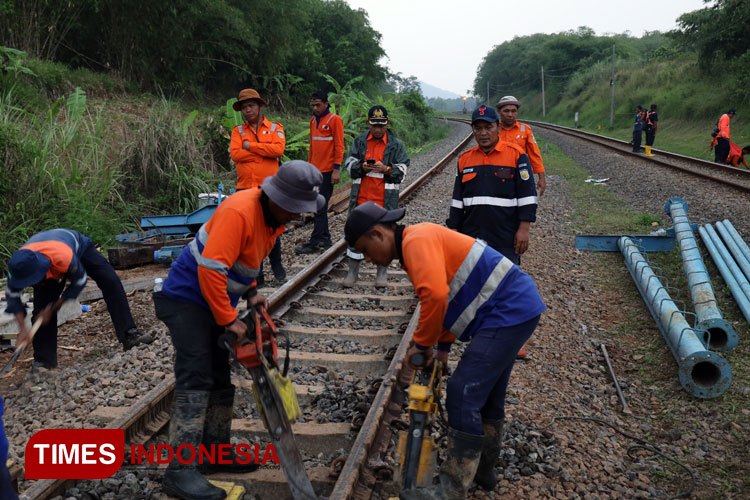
(727, 267)
(736, 245)
(721, 334)
(702, 373)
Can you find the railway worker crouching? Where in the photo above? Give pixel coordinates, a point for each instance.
(511, 130)
(256, 147)
(377, 163)
(468, 292)
(46, 262)
(326, 153)
(197, 303)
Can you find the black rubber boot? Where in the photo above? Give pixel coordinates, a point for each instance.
(457, 471)
(486, 477)
(134, 338)
(217, 430)
(186, 427)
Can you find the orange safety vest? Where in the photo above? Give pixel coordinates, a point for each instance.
(326, 142)
(724, 126)
(262, 160)
(521, 134)
(373, 184)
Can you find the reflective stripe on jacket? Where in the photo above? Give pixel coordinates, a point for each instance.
(521, 134)
(64, 249)
(463, 285)
(326, 142)
(262, 160)
(222, 261)
(394, 156)
(492, 193)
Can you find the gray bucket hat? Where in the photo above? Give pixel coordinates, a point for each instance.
(295, 187)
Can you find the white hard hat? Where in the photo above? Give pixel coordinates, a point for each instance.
(508, 99)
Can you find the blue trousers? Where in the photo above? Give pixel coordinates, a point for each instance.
(477, 388)
(6, 488)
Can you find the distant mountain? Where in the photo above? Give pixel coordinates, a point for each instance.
(432, 91)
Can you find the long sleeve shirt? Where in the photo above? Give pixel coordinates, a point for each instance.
(521, 134)
(326, 142)
(262, 159)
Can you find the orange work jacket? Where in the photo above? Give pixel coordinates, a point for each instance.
(326, 142)
(724, 126)
(262, 160)
(521, 134)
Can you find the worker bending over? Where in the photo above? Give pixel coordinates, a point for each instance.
(198, 303)
(468, 292)
(47, 261)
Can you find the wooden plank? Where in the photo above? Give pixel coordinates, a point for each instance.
(131, 256)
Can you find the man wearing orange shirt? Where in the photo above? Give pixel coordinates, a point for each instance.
(520, 133)
(468, 292)
(721, 151)
(377, 164)
(326, 152)
(256, 147)
(198, 303)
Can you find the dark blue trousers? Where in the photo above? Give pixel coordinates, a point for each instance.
(320, 228)
(48, 291)
(6, 488)
(637, 137)
(477, 388)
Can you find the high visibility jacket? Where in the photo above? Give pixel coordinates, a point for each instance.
(223, 260)
(521, 134)
(326, 142)
(492, 193)
(724, 126)
(64, 249)
(463, 285)
(371, 183)
(735, 156)
(262, 160)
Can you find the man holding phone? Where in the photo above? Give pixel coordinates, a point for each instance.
(377, 163)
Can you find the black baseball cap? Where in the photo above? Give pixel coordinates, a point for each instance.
(486, 113)
(365, 216)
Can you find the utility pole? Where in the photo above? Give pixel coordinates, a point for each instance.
(612, 85)
(488, 92)
(544, 108)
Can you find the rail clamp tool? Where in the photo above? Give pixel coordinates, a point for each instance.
(274, 393)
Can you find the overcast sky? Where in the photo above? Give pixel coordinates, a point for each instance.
(442, 42)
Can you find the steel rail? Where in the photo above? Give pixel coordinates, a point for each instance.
(151, 413)
(620, 146)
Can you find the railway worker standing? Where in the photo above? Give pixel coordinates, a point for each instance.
(377, 163)
(326, 153)
(513, 131)
(198, 303)
(638, 128)
(256, 147)
(721, 151)
(468, 292)
(46, 262)
(652, 125)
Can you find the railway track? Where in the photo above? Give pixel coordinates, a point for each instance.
(724, 174)
(342, 458)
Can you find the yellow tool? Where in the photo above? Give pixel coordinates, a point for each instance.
(417, 448)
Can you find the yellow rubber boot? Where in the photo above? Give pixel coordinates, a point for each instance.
(648, 151)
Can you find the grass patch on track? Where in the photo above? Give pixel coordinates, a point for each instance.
(725, 419)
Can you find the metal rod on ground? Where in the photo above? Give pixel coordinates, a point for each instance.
(625, 408)
(722, 335)
(725, 268)
(734, 242)
(738, 239)
(703, 373)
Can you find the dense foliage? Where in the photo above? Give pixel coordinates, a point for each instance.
(202, 45)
